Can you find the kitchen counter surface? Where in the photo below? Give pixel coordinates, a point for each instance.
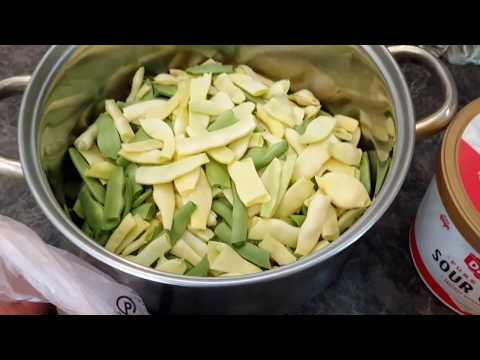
(378, 277)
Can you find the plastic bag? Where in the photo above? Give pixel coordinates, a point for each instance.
(33, 271)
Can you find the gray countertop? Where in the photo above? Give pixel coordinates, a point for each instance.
(378, 277)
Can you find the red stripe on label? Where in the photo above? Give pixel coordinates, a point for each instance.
(427, 278)
(469, 166)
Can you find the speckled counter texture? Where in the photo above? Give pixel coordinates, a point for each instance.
(378, 277)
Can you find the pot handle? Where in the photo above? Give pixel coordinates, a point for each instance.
(441, 118)
(9, 87)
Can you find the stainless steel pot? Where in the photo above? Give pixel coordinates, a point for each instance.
(66, 92)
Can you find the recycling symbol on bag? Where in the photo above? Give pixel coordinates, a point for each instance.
(126, 306)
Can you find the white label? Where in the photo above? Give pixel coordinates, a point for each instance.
(451, 267)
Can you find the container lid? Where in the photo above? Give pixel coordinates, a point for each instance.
(458, 174)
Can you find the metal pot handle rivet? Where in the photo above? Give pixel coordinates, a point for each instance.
(9, 87)
(441, 118)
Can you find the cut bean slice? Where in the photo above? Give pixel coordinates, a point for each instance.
(164, 197)
(261, 157)
(248, 84)
(141, 199)
(280, 230)
(92, 209)
(160, 90)
(146, 211)
(199, 270)
(184, 251)
(100, 170)
(150, 175)
(181, 220)
(311, 229)
(345, 191)
(295, 197)
(226, 119)
(239, 219)
(121, 123)
(108, 139)
(217, 175)
(365, 172)
(229, 261)
(136, 84)
(114, 200)
(210, 69)
(215, 139)
(201, 196)
(224, 211)
(248, 184)
(318, 130)
(345, 153)
(348, 218)
(156, 249)
(93, 185)
(279, 252)
(271, 178)
(172, 266)
(86, 140)
(120, 233)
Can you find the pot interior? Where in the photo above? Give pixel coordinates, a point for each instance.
(344, 78)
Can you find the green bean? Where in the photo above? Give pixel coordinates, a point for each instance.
(93, 185)
(297, 220)
(141, 199)
(66, 210)
(181, 220)
(324, 113)
(260, 128)
(78, 210)
(223, 210)
(141, 135)
(240, 219)
(216, 191)
(263, 156)
(210, 69)
(148, 96)
(382, 170)
(114, 200)
(201, 269)
(372, 155)
(365, 172)
(217, 174)
(164, 90)
(254, 99)
(86, 230)
(122, 104)
(255, 255)
(128, 196)
(146, 211)
(121, 161)
(108, 139)
(158, 229)
(226, 119)
(247, 250)
(136, 188)
(102, 238)
(93, 210)
(300, 129)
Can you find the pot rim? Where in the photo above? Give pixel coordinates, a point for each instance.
(45, 73)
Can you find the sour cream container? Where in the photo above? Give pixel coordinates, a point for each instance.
(445, 235)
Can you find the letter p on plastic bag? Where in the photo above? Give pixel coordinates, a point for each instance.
(33, 271)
